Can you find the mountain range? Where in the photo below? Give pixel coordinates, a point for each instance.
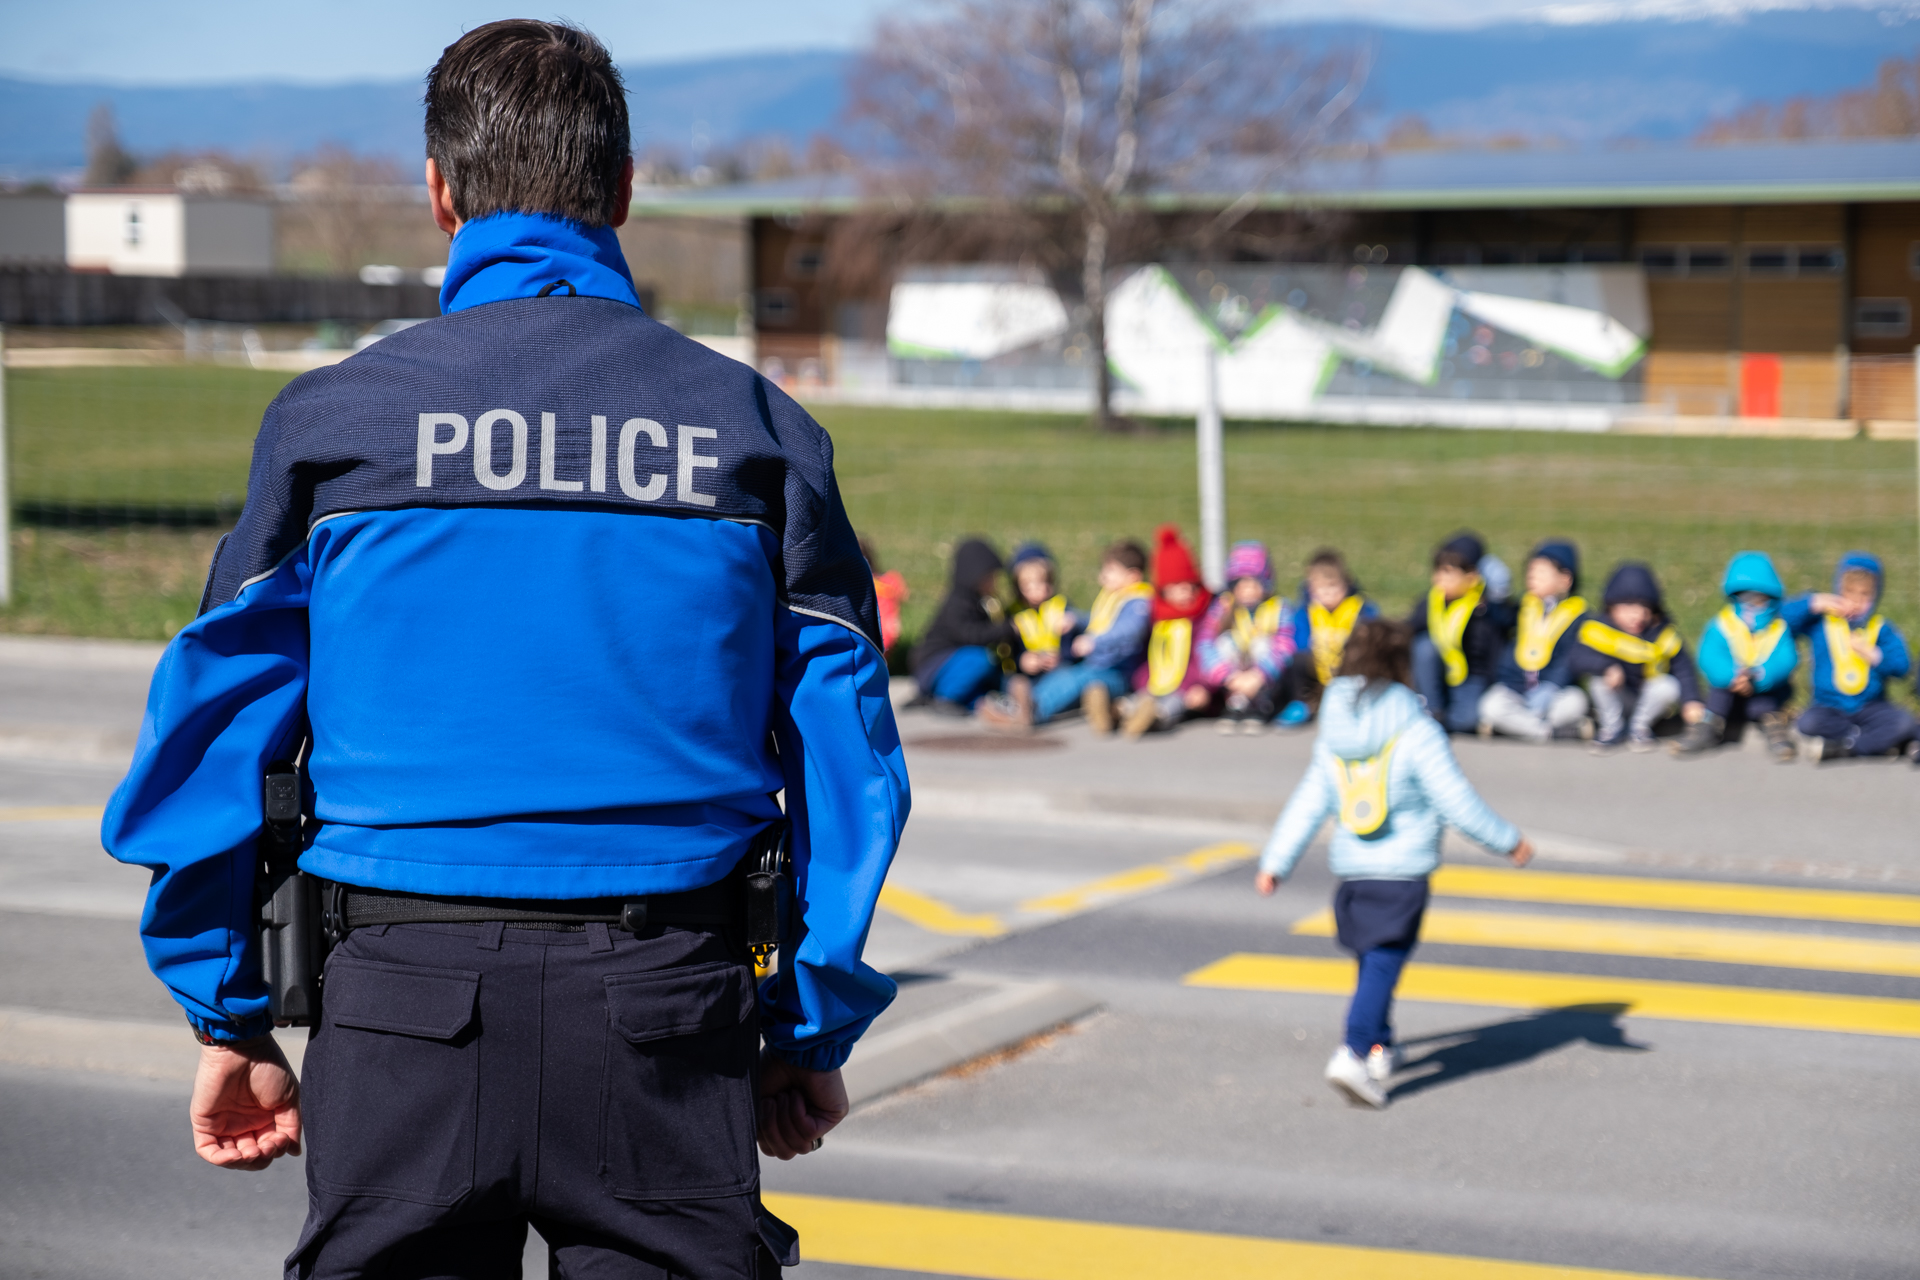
(1651, 79)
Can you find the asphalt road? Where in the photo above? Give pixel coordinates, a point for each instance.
(1721, 1139)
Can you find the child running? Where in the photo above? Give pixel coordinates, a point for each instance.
(1045, 620)
(1747, 659)
(1169, 687)
(1245, 641)
(1330, 605)
(1382, 765)
(1855, 652)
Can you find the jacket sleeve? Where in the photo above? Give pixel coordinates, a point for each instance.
(1894, 659)
(847, 799)
(1308, 809)
(1452, 795)
(228, 698)
(1123, 642)
(1417, 619)
(1683, 670)
(1799, 615)
(1715, 660)
(1585, 660)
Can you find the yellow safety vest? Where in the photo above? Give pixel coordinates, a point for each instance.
(1107, 605)
(1651, 656)
(1447, 626)
(1748, 650)
(1039, 626)
(1249, 625)
(1539, 631)
(1330, 630)
(1850, 671)
(1169, 646)
(1363, 790)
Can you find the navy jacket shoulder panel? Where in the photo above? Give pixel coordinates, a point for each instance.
(568, 403)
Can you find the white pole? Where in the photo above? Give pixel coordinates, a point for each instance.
(1213, 490)
(6, 488)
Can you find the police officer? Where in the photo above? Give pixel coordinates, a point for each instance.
(553, 605)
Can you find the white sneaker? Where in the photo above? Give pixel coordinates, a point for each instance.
(1382, 1063)
(1347, 1073)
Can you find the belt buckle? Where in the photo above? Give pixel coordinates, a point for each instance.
(633, 916)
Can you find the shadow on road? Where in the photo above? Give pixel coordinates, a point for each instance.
(1460, 1054)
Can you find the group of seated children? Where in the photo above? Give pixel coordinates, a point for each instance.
(1151, 652)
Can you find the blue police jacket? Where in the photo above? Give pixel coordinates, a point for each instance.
(564, 600)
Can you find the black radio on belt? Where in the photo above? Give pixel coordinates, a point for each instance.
(769, 891)
(292, 944)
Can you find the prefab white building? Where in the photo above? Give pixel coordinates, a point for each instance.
(32, 229)
(159, 231)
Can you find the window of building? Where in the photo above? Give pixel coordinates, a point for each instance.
(1783, 261)
(1769, 260)
(1708, 260)
(803, 261)
(1882, 317)
(777, 307)
(1819, 259)
(1679, 261)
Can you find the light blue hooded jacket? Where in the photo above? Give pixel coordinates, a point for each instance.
(1426, 792)
(1749, 571)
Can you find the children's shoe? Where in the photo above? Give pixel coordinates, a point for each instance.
(1641, 741)
(1228, 724)
(1294, 714)
(1382, 1062)
(1252, 727)
(1140, 718)
(1588, 729)
(1607, 744)
(998, 711)
(1703, 735)
(1097, 702)
(1347, 1073)
(1779, 731)
(1820, 750)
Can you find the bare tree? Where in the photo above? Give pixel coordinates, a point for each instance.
(1889, 107)
(108, 163)
(342, 208)
(1059, 133)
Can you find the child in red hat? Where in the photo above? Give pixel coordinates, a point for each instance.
(1169, 686)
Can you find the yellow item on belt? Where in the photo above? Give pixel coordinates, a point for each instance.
(1248, 625)
(1363, 790)
(1748, 650)
(1040, 626)
(1329, 632)
(1651, 656)
(1850, 671)
(1107, 606)
(1168, 648)
(1447, 627)
(1539, 630)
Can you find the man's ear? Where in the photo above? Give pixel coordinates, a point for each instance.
(623, 202)
(440, 197)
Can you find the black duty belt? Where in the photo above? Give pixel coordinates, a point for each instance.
(716, 905)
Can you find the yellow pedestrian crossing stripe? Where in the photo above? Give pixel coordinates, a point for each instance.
(996, 1246)
(1523, 989)
(1703, 896)
(1653, 941)
(937, 917)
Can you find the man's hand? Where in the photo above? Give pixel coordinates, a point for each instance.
(246, 1105)
(797, 1107)
(1521, 854)
(1265, 882)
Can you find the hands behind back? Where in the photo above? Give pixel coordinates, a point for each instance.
(245, 1109)
(797, 1107)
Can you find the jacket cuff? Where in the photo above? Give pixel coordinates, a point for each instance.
(819, 1057)
(207, 1032)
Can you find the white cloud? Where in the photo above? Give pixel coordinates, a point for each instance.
(1449, 13)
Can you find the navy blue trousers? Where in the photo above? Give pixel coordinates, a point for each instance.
(1877, 727)
(1379, 922)
(467, 1081)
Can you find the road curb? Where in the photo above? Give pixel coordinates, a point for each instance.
(1006, 1014)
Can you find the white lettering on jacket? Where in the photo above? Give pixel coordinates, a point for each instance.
(656, 484)
(689, 460)
(430, 443)
(483, 449)
(546, 459)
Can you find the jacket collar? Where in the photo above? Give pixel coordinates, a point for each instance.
(516, 255)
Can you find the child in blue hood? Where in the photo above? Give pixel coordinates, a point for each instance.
(1747, 657)
(1855, 652)
(1382, 766)
(1637, 668)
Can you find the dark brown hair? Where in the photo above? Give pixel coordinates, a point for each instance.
(1328, 558)
(1381, 651)
(1128, 554)
(1452, 558)
(529, 117)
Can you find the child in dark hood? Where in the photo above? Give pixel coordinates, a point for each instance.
(1459, 632)
(1534, 696)
(1747, 657)
(1168, 686)
(1636, 665)
(958, 660)
(1855, 652)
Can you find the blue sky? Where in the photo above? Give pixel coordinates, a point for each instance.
(160, 42)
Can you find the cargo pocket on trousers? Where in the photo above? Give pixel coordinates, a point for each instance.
(400, 1082)
(677, 1106)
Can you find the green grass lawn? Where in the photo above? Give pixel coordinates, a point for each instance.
(90, 442)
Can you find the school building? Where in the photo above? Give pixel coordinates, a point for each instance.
(1758, 281)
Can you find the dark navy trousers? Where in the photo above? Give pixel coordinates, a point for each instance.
(467, 1081)
(1875, 728)
(1379, 922)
